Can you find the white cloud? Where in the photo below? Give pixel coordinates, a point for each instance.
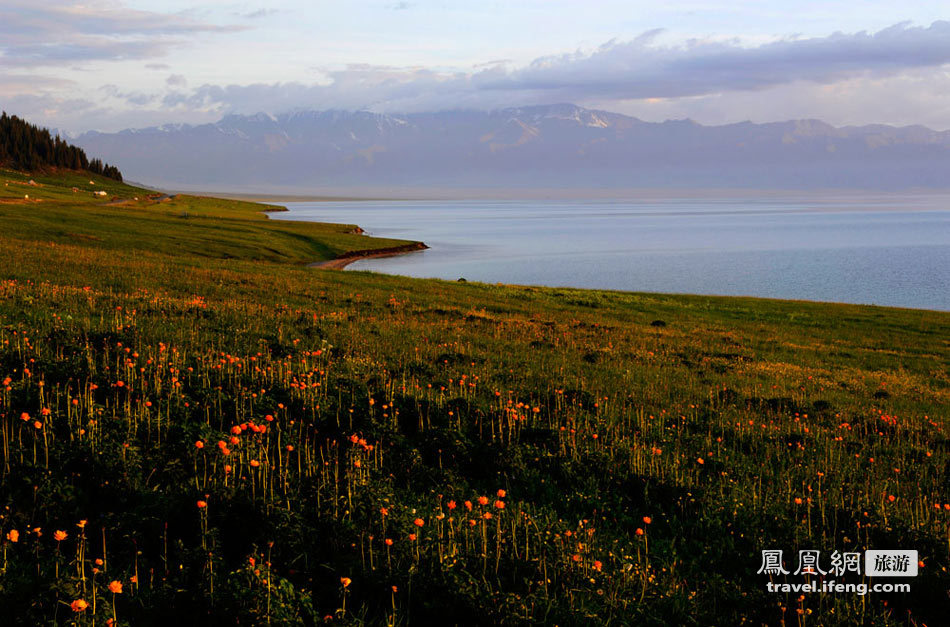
(34, 34)
(896, 75)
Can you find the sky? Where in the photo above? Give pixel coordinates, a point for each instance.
(113, 64)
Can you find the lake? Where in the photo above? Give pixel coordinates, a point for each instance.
(885, 250)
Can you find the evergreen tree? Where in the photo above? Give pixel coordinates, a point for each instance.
(24, 146)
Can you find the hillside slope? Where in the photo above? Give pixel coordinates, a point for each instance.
(198, 430)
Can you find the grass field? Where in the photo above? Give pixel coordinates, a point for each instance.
(196, 429)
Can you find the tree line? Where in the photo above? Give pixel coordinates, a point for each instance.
(25, 146)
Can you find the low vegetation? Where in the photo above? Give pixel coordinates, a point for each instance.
(196, 429)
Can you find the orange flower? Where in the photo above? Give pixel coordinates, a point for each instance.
(468, 505)
(115, 587)
(81, 524)
(79, 605)
(639, 531)
(345, 581)
(24, 417)
(501, 494)
(451, 505)
(255, 463)
(500, 504)
(199, 444)
(418, 522)
(389, 542)
(598, 565)
(647, 520)
(576, 557)
(13, 535)
(700, 461)
(412, 536)
(202, 504)
(59, 536)
(483, 500)
(798, 500)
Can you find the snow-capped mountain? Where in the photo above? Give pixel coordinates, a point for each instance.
(530, 147)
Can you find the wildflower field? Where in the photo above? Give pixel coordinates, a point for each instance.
(197, 429)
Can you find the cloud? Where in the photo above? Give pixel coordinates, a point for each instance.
(617, 71)
(640, 69)
(254, 15)
(13, 84)
(913, 97)
(36, 34)
(901, 68)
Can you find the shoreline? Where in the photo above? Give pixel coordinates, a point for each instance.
(339, 263)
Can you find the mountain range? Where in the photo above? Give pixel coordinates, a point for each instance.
(539, 147)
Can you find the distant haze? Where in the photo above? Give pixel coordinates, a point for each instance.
(550, 146)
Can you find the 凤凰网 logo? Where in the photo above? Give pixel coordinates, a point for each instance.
(876, 563)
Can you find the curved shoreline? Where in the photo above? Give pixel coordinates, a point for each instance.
(347, 258)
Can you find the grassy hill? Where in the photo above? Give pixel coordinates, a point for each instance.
(236, 439)
(64, 208)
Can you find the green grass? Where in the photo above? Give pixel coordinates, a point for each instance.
(591, 410)
(183, 225)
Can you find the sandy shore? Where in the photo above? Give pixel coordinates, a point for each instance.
(349, 257)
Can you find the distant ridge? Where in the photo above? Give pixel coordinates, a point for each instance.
(26, 147)
(550, 146)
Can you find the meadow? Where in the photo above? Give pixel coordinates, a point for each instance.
(197, 428)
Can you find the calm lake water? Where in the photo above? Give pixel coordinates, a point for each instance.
(886, 250)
